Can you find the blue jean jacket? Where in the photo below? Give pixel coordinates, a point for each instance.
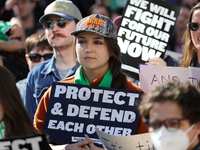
(40, 78)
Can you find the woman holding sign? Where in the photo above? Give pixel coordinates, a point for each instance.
(14, 120)
(191, 49)
(99, 58)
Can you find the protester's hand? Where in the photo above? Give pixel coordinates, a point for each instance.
(17, 32)
(12, 45)
(91, 145)
(9, 4)
(80, 145)
(156, 61)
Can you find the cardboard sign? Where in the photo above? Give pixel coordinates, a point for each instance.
(36, 142)
(152, 76)
(144, 32)
(134, 142)
(75, 110)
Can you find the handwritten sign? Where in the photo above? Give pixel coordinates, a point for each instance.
(75, 110)
(152, 76)
(36, 142)
(144, 32)
(134, 142)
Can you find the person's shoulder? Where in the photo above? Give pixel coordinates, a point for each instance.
(23, 81)
(68, 80)
(39, 67)
(132, 86)
(35, 73)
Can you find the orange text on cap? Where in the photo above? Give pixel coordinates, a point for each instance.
(93, 22)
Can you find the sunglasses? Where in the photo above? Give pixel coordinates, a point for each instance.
(193, 26)
(61, 22)
(37, 57)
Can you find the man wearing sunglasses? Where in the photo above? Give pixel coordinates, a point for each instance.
(59, 20)
(172, 114)
(37, 50)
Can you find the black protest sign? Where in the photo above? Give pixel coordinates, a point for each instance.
(75, 110)
(35, 142)
(144, 32)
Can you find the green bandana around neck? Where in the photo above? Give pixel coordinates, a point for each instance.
(2, 130)
(80, 78)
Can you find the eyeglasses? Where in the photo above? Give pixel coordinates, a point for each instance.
(37, 57)
(171, 124)
(193, 26)
(61, 22)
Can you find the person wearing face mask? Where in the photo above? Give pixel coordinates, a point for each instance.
(172, 115)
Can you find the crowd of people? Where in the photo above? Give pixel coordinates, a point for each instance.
(67, 47)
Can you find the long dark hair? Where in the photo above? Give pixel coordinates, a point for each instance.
(15, 117)
(119, 79)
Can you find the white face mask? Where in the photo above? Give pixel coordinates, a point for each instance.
(163, 139)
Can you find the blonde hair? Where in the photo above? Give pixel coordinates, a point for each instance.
(189, 50)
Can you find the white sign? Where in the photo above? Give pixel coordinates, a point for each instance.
(152, 76)
(134, 142)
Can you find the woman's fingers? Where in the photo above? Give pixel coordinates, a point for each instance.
(157, 62)
(77, 146)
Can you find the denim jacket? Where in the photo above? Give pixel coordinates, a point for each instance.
(40, 78)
